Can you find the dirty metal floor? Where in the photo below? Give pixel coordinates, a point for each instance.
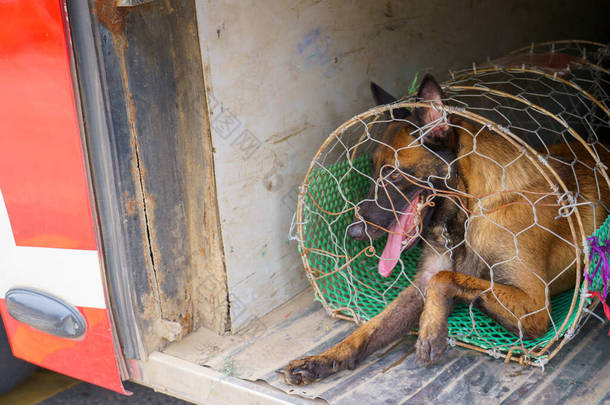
(579, 374)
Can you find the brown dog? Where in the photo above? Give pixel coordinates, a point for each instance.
(486, 244)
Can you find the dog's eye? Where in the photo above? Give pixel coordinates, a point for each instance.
(395, 176)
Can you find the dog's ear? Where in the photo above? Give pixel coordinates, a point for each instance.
(441, 134)
(382, 97)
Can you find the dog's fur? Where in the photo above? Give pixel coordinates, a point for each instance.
(517, 298)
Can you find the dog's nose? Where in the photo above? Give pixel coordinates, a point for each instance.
(356, 230)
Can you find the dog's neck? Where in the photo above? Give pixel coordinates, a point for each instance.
(496, 164)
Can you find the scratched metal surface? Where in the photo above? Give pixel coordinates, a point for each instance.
(580, 373)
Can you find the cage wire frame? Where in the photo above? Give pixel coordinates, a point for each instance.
(583, 48)
(580, 305)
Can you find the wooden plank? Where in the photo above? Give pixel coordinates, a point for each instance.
(399, 381)
(301, 327)
(115, 178)
(565, 358)
(202, 385)
(298, 328)
(165, 78)
(489, 381)
(605, 400)
(595, 390)
(156, 91)
(573, 379)
(492, 381)
(385, 360)
(428, 393)
(309, 331)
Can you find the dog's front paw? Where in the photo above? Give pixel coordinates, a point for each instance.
(431, 343)
(308, 369)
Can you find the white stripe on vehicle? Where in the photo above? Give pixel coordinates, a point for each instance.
(71, 274)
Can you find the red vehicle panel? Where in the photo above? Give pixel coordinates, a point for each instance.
(47, 234)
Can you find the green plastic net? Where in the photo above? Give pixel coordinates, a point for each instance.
(541, 109)
(359, 290)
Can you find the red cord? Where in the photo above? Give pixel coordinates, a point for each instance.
(597, 294)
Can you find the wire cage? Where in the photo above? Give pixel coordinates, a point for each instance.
(547, 107)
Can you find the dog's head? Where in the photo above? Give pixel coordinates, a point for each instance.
(412, 159)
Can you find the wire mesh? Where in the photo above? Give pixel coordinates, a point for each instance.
(546, 107)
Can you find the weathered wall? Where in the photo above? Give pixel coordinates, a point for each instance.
(153, 170)
(280, 75)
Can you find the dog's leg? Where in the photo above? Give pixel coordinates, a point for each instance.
(399, 318)
(515, 308)
(395, 321)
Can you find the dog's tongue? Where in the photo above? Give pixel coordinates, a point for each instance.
(393, 247)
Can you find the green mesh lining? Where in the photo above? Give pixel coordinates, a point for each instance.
(359, 287)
